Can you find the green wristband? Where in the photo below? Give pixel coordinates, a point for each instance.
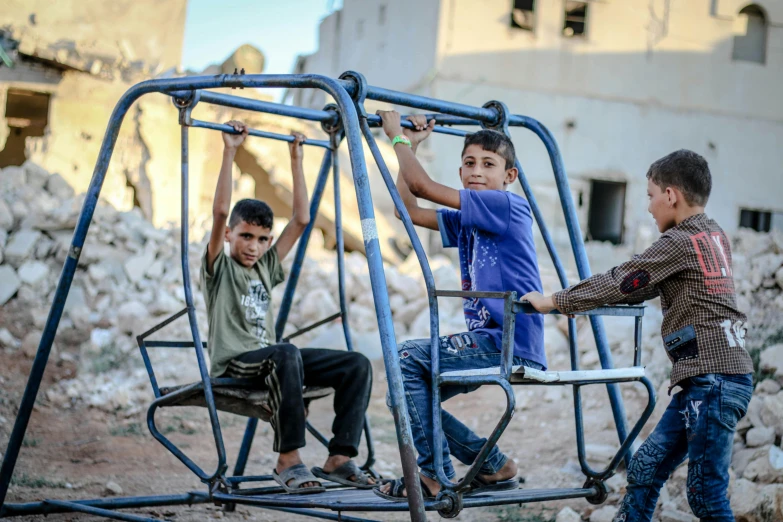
(401, 139)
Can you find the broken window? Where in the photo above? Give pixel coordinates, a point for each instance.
(27, 115)
(606, 212)
(758, 220)
(523, 14)
(575, 19)
(751, 46)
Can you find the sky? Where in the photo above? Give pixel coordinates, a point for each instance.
(282, 29)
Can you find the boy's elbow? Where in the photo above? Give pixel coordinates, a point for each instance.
(418, 189)
(397, 213)
(301, 220)
(219, 213)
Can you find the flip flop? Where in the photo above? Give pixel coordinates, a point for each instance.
(479, 485)
(397, 488)
(297, 474)
(342, 475)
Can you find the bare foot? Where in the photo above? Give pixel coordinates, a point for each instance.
(335, 461)
(292, 458)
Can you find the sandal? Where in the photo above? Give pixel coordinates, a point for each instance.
(297, 474)
(342, 475)
(480, 485)
(398, 487)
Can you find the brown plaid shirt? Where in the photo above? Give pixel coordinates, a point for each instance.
(689, 267)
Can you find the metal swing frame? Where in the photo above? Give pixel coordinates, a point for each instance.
(347, 119)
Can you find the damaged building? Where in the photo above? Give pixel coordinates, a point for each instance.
(64, 66)
(619, 84)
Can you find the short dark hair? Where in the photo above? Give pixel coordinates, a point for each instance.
(686, 171)
(493, 141)
(252, 212)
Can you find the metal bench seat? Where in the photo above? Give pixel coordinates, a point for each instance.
(526, 375)
(232, 396)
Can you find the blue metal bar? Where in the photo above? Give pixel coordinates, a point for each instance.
(637, 341)
(46, 508)
(100, 512)
(422, 102)
(301, 247)
(173, 344)
(291, 111)
(198, 124)
(350, 120)
(582, 263)
(429, 282)
(340, 248)
(320, 514)
(509, 325)
(202, 364)
(244, 449)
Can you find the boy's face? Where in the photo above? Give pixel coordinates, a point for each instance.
(484, 170)
(248, 242)
(662, 206)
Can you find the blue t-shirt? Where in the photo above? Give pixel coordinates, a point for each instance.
(494, 234)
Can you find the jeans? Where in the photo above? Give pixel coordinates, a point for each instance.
(457, 352)
(699, 425)
(284, 369)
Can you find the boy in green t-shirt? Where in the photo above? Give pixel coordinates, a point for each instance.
(238, 292)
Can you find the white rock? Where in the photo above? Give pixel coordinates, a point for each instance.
(772, 412)
(132, 317)
(604, 514)
(568, 515)
(19, 209)
(7, 340)
(598, 452)
(58, 187)
(6, 216)
(776, 458)
(772, 359)
(9, 283)
(779, 277)
(112, 488)
(760, 436)
(21, 246)
(30, 343)
(37, 176)
(767, 387)
(407, 314)
(33, 272)
(155, 270)
(165, 303)
(12, 178)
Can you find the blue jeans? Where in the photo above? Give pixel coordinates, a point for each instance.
(457, 352)
(699, 425)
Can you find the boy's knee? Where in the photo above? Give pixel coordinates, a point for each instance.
(645, 464)
(287, 353)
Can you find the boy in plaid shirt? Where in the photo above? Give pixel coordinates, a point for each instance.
(689, 267)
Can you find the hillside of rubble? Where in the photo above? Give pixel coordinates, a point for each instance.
(88, 426)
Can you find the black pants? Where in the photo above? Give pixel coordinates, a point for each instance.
(284, 369)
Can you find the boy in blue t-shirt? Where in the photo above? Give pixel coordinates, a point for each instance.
(492, 230)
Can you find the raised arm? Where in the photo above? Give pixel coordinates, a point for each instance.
(300, 216)
(222, 202)
(416, 178)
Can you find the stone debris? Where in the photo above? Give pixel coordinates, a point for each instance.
(129, 279)
(112, 489)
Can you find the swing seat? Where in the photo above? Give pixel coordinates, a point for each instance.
(526, 375)
(232, 396)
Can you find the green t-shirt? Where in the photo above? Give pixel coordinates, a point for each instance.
(239, 306)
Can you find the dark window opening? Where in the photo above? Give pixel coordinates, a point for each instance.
(27, 114)
(751, 46)
(575, 19)
(523, 14)
(382, 14)
(606, 212)
(758, 220)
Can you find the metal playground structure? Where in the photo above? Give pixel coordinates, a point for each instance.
(347, 120)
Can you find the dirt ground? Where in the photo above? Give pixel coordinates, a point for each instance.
(72, 454)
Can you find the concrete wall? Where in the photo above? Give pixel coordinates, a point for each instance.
(148, 30)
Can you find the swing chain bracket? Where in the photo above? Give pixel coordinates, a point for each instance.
(454, 503)
(185, 105)
(602, 492)
(504, 115)
(219, 485)
(335, 126)
(360, 94)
